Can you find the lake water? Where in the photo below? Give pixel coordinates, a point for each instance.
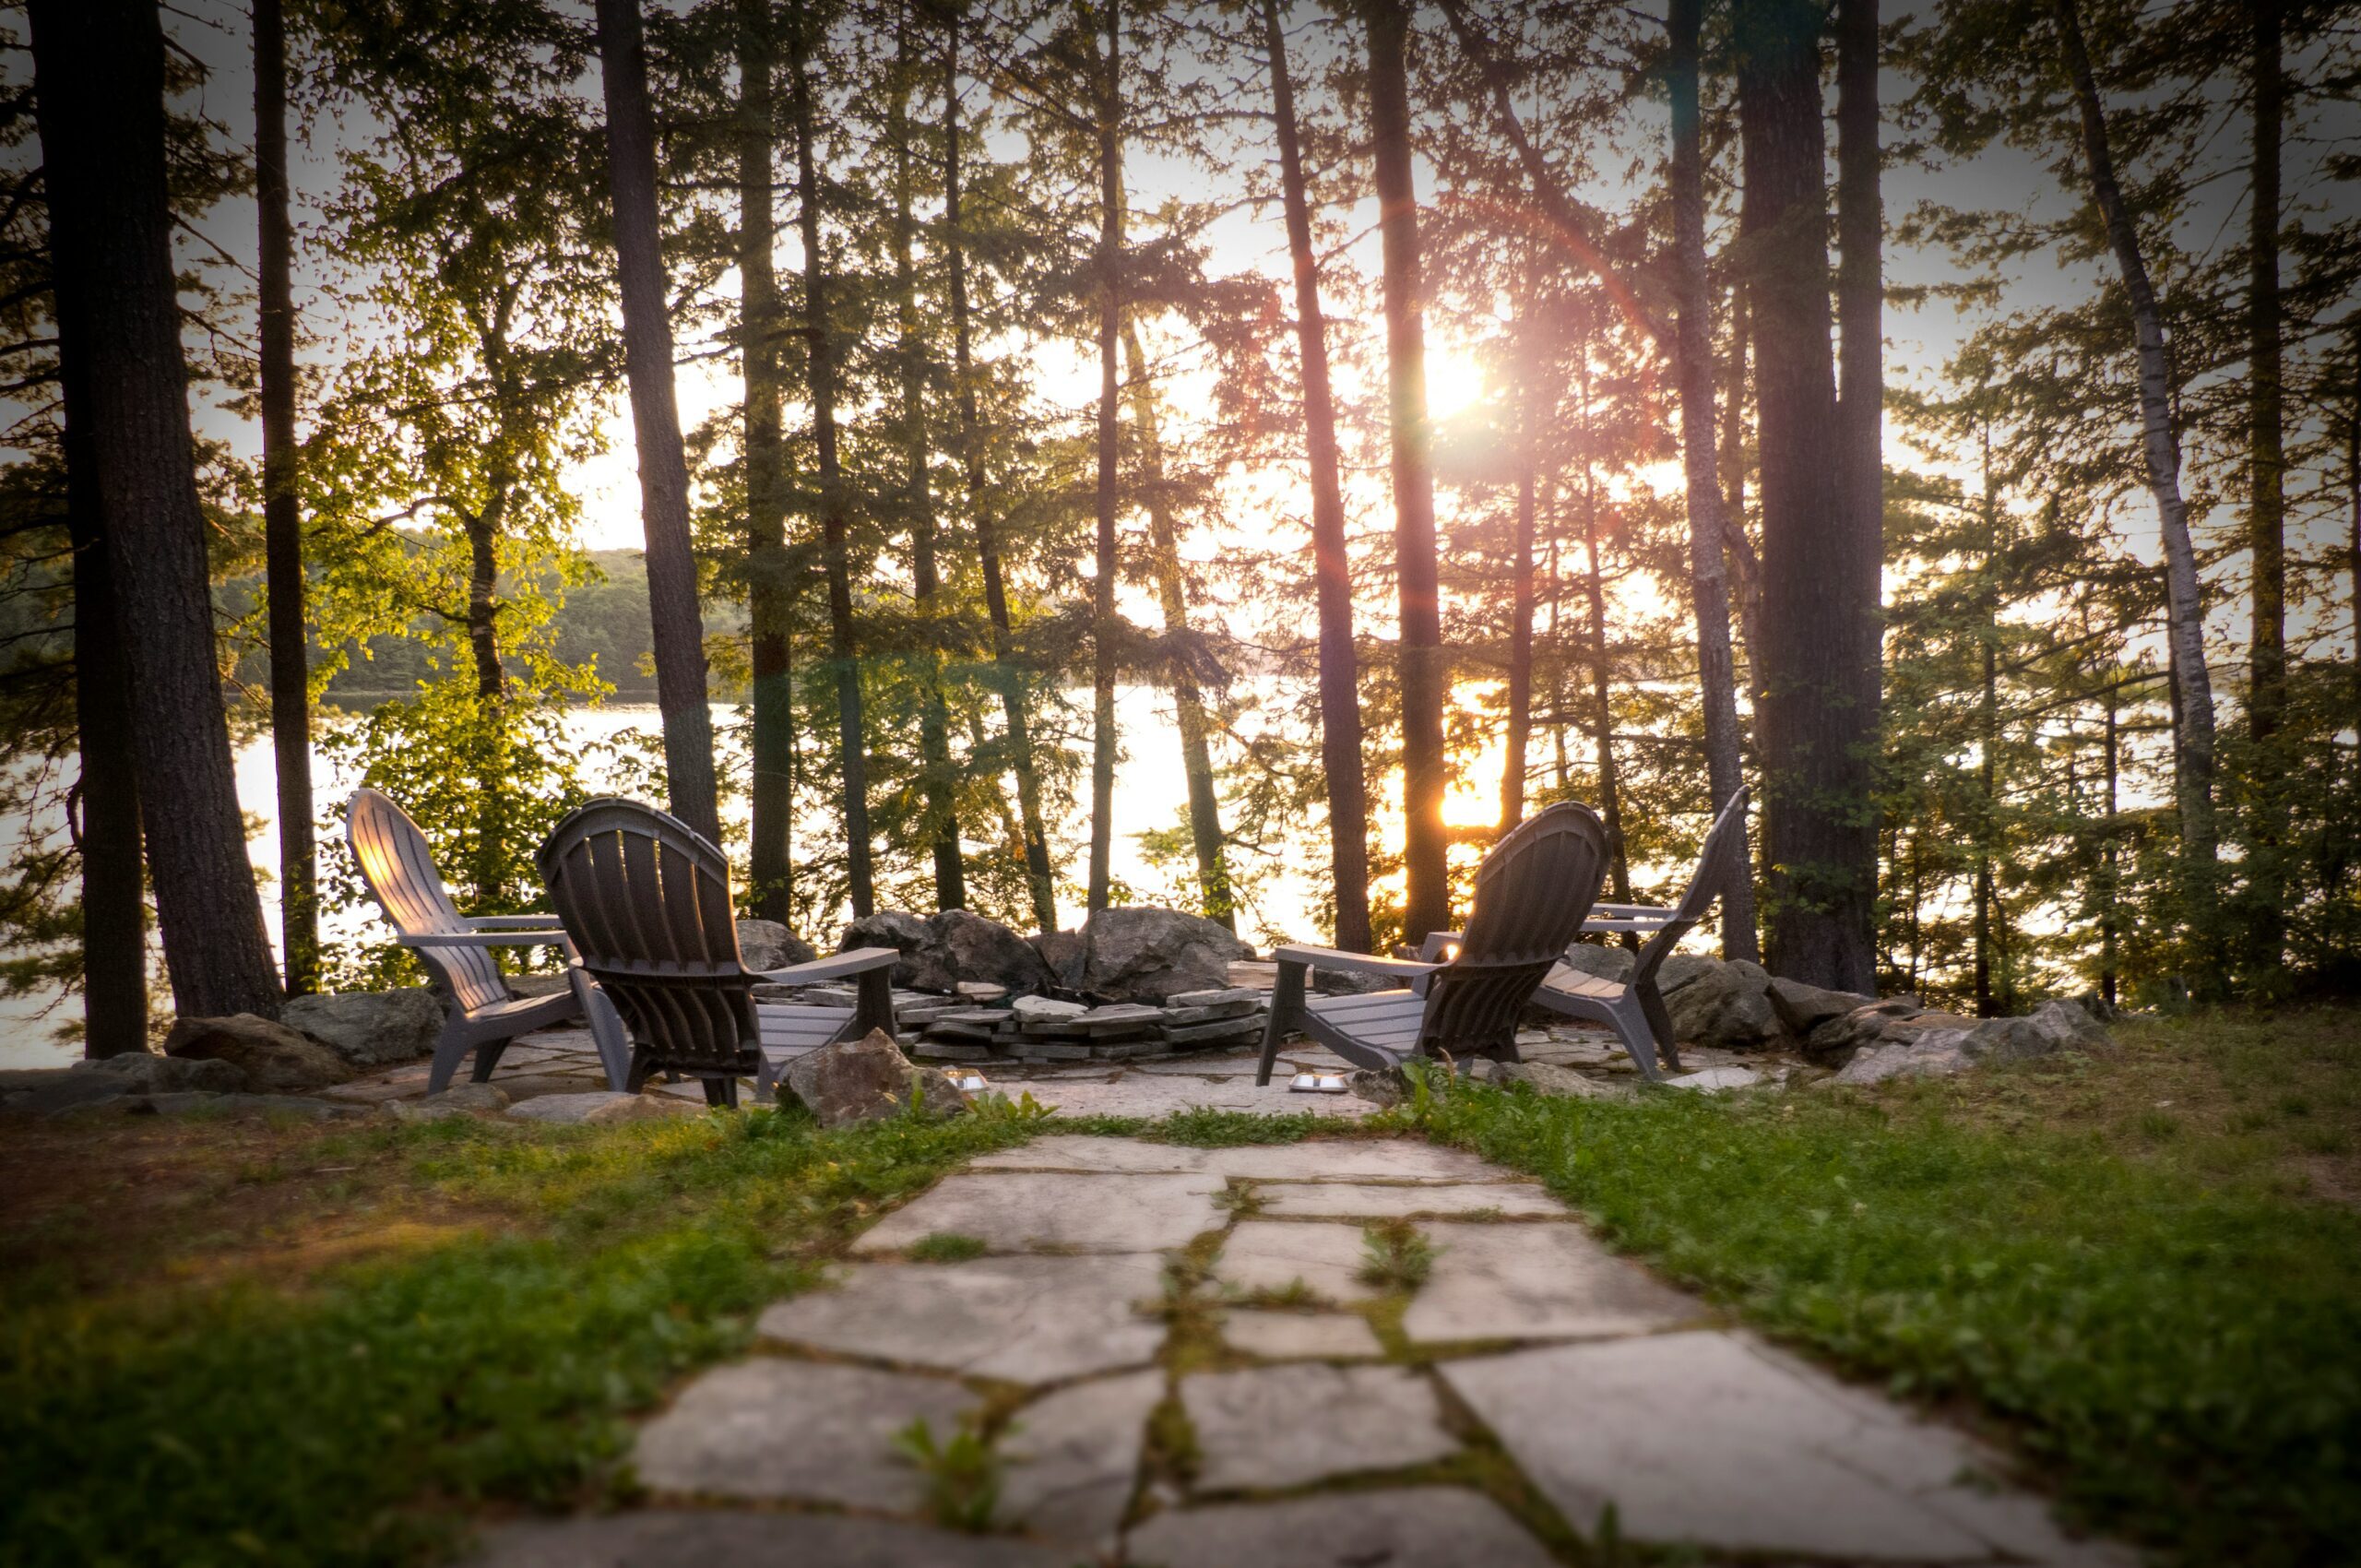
(1150, 793)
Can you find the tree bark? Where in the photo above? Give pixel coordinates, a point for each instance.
(852, 760)
(1987, 734)
(1010, 679)
(1610, 788)
(2160, 447)
(1816, 738)
(1102, 603)
(679, 632)
(769, 593)
(1736, 545)
(1521, 591)
(2267, 511)
(291, 695)
(1426, 902)
(934, 716)
(1709, 581)
(99, 74)
(1188, 703)
(106, 826)
(1340, 709)
(1860, 425)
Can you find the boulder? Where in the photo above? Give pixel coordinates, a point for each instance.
(56, 1090)
(1606, 963)
(1726, 1005)
(198, 1102)
(1062, 953)
(599, 1107)
(143, 1072)
(369, 1029)
(898, 929)
(1146, 955)
(767, 944)
(460, 1100)
(1938, 1044)
(1683, 968)
(274, 1059)
(970, 949)
(1803, 1008)
(867, 1079)
(1832, 1041)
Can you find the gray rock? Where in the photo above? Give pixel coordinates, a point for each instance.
(1833, 1042)
(1543, 1077)
(972, 950)
(55, 1091)
(1070, 1459)
(720, 1538)
(1727, 1005)
(146, 1073)
(600, 1108)
(1230, 1001)
(1385, 1087)
(1046, 1010)
(1350, 982)
(461, 1100)
(1606, 963)
(1938, 1045)
(1803, 1008)
(1045, 1212)
(369, 1029)
(867, 1080)
(1710, 1080)
(1681, 969)
(1149, 955)
(1534, 1282)
(197, 1101)
(1424, 1527)
(274, 1058)
(769, 944)
(1291, 1425)
(1064, 953)
(905, 933)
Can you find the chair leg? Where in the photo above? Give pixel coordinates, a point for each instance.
(607, 1031)
(1659, 1023)
(450, 1050)
(721, 1092)
(1286, 1001)
(1639, 1037)
(487, 1058)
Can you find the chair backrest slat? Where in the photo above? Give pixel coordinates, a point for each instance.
(398, 866)
(1718, 861)
(648, 903)
(1533, 892)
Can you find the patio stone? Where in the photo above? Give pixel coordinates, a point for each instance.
(1534, 1282)
(1428, 1526)
(1048, 1212)
(1029, 1320)
(1351, 1159)
(783, 1430)
(599, 1107)
(1797, 1463)
(1334, 1200)
(717, 1539)
(1283, 1336)
(1079, 1151)
(1291, 1425)
(1265, 1254)
(1073, 1458)
(1714, 1078)
(1157, 1094)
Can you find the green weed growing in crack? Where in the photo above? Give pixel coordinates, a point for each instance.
(946, 1246)
(1239, 1202)
(1395, 1256)
(963, 1475)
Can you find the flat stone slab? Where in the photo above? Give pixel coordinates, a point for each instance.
(1285, 1337)
(1029, 1320)
(800, 1430)
(1535, 1282)
(1020, 1211)
(1712, 1079)
(1266, 1254)
(1426, 1526)
(1314, 1159)
(660, 1537)
(1369, 1200)
(1291, 1425)
(1701, 1438)
(1152, 1095)
(1073, 1458)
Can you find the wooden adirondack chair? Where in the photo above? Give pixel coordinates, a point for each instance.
(1531, 893)
(647, 901)
(1635, 1009)
(485, 1011)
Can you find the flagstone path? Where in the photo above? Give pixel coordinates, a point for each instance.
(1179, 1362)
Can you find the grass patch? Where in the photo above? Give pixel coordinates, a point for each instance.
(347, 1412)
(947, 1247)
(2162, 1319)
(1205, 1127)
(1395, 1256)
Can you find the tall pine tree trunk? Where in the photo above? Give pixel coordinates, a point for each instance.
(769, 592)
(852, 760)
(282, 518)
(1427, 904)
(1340, 707)
(1038, 880)
(1860, 459)
(99, 83)
(679, 631)
(1709, 581)
(2160, 447)
(1188, 703)
(1610, 785)
(1818, 833)
(1736, 545)
(934, 716)
(2266, 512)
(1102, 604)
(1521, 589)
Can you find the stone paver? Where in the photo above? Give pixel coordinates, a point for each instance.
(1535, 1282)
(1416, 1527)
(1282, 1336)
(1713, 1078)
(1031, 1320)
(775, 1429)
(1336, 1200)
(1699, 1438)
(1268, 1254)
(1314, 1159)
(662, 1538)
(1290, 1425)
(1045, 1212)
(1074, 1457)
(1155, 1095)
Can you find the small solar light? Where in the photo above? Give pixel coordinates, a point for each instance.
(1316, 1083)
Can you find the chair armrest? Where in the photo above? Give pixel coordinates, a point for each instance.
(860, 960)
(514, 922)
(1431, 951)
(1633, 911)
(1636, 926)
(485, 939)
(1357, 963)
